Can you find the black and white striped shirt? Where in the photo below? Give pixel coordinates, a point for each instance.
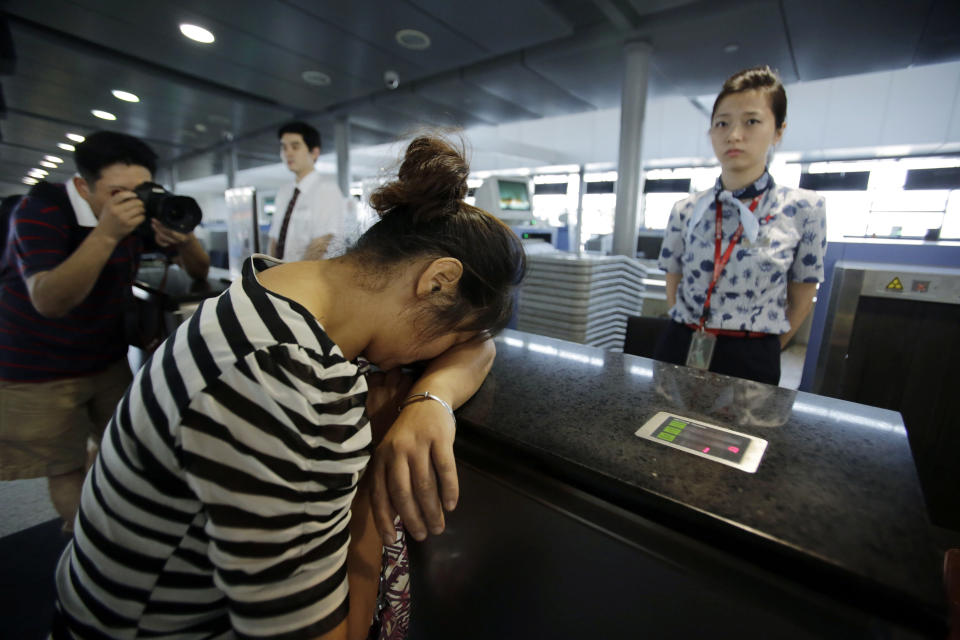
(219, 505)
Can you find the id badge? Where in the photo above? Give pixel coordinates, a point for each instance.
(701, 350)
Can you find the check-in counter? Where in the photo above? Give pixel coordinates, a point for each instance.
(571, 526)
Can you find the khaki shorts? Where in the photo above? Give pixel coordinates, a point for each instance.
(44, 426)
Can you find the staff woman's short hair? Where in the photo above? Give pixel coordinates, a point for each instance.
(763, 79)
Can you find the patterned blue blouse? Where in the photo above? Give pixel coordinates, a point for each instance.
(751, 294)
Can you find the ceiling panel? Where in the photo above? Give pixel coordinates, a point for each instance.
(489, 62)
(833, 38)
(653, 7)
(499, 25)
(452, 91)
(940, 41)
(237, 59)
(416, 107)
(690, 55)
(375, 23)
(379, 118)
(581, 13)
(18, 161)
(354, 61)
(592, 72)
(516, 83)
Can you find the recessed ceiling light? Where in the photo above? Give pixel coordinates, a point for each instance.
(65, 146)
(103, 115)
(49, 165)
(317, 78)
(37, 173)
(198, 34)
(732, 47)
(413, 39)
(29, 180)
(53, 159)
(126, 96)
(76, 137)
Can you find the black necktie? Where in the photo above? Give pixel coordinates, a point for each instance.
(282, 240)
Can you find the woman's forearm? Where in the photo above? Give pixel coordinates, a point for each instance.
(673, 283)
(457, 374)
(799, 303)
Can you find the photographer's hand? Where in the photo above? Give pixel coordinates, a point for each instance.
(191, 254)
(166, 237)
(56, 292)
(121, 214)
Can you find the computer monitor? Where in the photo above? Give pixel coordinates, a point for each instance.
(506, 198)
(648, 245)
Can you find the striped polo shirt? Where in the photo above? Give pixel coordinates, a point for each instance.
(44, 232)
(220, 502)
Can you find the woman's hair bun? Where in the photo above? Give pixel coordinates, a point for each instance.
(431, 182)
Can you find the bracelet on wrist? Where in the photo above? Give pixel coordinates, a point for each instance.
(426, 395)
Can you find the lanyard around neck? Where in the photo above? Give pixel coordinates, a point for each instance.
(720, 261)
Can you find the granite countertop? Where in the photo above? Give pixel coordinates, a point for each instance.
(836, 490)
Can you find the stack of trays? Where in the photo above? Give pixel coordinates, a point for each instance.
(584, 299)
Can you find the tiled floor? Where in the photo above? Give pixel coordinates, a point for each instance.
(23, 504)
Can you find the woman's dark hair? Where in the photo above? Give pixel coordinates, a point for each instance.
(762, 79)
(105, 148)
(310, 135)
(423, 216)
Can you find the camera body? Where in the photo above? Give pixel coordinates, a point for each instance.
(178, 213)
(391, 79)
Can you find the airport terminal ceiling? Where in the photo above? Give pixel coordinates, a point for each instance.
(484, 63)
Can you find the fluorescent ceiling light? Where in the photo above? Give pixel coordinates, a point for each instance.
(65, 146)
(126, 96)
(37, 173)
(316, 78)
(76, 137)
(198, 34)
(103, 115)
(48, 165)
(412, 39)
(29, 180)
(53, 159)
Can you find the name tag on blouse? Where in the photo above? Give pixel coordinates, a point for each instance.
(701, 350)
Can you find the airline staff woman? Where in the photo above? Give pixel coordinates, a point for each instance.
(743, 259)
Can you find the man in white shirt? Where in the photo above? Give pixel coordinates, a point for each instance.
(310, 214)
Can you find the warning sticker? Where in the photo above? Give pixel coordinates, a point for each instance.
(895, 285)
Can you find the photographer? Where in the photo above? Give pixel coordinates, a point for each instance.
(65, 276)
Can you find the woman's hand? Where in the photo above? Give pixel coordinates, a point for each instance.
(413, 468)
(414, 473)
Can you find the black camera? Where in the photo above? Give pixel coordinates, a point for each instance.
(178, 213)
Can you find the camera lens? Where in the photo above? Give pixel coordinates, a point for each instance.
(180, 213)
